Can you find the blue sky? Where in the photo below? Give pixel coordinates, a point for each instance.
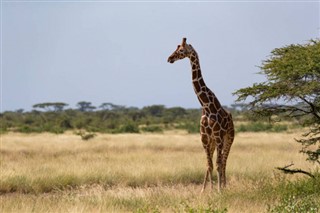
(102, 51)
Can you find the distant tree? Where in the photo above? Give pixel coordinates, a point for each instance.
(239, 107)
(106, 106)
(59, 106)
(19, 111)
(84, 106)
(292, 89)
(171, 114)
(41, 106)
(51, 106)
(111, 106)
(154, 110)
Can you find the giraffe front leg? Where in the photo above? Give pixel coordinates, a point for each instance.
(205, 181)
(205, 142)
(208, 175)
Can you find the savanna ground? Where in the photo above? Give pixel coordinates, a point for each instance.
(149, 173)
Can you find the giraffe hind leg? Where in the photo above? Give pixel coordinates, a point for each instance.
(219, 162)
(212, 148)
(228, 140)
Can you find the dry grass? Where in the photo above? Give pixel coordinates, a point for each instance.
(137, 172)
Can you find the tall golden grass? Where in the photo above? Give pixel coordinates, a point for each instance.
(138, 172)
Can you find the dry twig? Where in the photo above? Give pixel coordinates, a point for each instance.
(293, 171)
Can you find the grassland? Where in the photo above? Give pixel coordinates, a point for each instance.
(146, 173)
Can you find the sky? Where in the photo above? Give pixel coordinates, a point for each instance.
(116, 51)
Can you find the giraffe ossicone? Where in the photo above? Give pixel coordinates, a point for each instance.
(216, 124)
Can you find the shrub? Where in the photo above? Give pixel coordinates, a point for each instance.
(85, 135)
(127, 128)
(208, 209)
(262, 127)
(280, 128)
(191, 127)
(298, 196)
(65, 123)
(29, 129)
(3, 130)
(295, 204)
(152, 129)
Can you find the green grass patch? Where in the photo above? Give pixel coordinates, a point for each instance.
(295, 196)
(295, 204)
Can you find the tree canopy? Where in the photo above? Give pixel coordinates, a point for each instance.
(85, 106)
(55, 106)
(292, 89)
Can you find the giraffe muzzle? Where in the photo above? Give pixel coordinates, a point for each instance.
(170, 60)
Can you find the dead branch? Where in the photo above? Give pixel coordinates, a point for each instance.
(294, 171)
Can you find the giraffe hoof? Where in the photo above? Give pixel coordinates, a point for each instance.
(202, 190)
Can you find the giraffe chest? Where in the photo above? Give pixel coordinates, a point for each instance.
(213, 125)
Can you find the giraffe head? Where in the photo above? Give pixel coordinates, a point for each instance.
(182, 51)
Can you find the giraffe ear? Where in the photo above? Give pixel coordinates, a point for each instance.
(184, 41)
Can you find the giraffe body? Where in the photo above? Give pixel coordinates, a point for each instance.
(216, 125)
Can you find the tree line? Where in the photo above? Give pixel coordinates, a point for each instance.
(56, 117)
(107, 118)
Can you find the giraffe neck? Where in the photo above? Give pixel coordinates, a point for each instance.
(199, 85)
(206, 97)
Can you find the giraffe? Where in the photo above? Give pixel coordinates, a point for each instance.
(216, 125)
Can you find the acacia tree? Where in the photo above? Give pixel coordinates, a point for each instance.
(85, 106)
(292, 89)
(111, 106)
(55, 106)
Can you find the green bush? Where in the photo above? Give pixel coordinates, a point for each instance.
(280, 128)
(211, 208)
(298, 196)
(3, 130)
(152, 129)
(295, 204)
(127, 128)
(262, 127)
(191, 127)
(65, 123)
(29, 129)
(85, 135)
